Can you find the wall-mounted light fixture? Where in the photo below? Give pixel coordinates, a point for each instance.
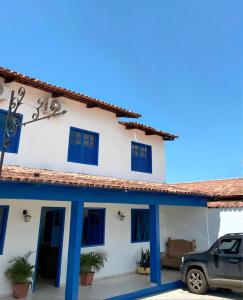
(26, 215)
(121, 215)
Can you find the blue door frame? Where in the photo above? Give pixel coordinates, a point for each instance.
(60, 245)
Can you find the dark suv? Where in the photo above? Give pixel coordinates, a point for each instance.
(220, 267)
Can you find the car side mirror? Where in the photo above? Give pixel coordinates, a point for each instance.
(215, 250)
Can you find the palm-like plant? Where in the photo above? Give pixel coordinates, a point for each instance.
(92, 261)
(21, 271)
(145, 259)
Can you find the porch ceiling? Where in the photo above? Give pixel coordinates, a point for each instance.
(29, 175)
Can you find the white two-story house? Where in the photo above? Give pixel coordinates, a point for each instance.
(85, 180)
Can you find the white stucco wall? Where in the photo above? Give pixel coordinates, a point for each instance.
(183, 223)
(45, 144)
(122, 254)
(224, 220)
(22, 237)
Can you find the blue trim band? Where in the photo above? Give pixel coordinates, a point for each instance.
(149, 291)
(32, 191)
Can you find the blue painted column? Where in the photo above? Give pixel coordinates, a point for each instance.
(75, 236)
(154, 232)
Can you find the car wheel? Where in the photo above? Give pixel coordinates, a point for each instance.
(196, 281)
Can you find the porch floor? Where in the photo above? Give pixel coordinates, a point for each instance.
(103, 288)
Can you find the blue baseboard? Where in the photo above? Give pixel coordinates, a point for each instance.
(149, 291)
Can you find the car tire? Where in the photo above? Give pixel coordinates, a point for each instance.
(196, 281)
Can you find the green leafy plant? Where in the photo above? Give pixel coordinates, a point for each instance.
(21, 271)
(92, 261)
(144, 259)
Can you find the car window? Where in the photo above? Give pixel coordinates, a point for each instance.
(229, 246)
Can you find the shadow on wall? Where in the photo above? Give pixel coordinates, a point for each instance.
(213, 225)
(189, 223)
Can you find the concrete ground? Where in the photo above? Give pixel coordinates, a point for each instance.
(101, 288)
(183, 294)
(110, 287)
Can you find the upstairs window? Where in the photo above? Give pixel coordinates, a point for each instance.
(140, 225)
(83, 146)
(93, 227)
(14, 141)
(141, 158)
(3, 225)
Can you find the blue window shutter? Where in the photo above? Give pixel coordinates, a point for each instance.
(3, 225)
(141, 158)
(94, 227)
(14, 142)
(83, 146)
(139, 225)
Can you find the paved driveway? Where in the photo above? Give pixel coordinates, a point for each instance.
(183, 294)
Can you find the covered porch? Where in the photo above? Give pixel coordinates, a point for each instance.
(77, 192)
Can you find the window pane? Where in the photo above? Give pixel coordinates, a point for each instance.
(229, 246)
(78, 137)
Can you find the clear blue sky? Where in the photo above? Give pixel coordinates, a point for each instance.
(177, 62)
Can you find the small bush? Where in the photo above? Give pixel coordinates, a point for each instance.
(21, 271)
(92, 261)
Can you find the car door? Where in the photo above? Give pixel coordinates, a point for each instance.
(225, 263)
(241, 265)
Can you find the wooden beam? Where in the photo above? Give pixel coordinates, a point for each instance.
(149, 133)
(91, 105)
(120, 115)
(56, 94)
(129, 127)
(8, 79)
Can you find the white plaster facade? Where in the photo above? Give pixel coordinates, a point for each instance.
(44, 144)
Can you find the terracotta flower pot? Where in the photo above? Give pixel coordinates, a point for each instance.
(144, 271)
(20, 290)
(86, 278)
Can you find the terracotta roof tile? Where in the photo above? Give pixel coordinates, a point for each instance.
(23, 174)
(226, 192)
(149, 130)
(50, 88)
(225, 204)
(222, 188)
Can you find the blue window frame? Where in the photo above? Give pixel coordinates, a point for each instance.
(83, 146)
(141, 157)
(140, 225)
(14, 142)
(93, 227)
(3, 225)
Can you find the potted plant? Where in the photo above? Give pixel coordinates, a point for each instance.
(90, 263)
(144, 263)
(20, 274)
